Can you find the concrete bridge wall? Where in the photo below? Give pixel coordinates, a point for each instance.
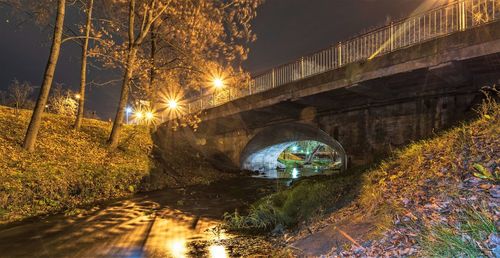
(365, 134)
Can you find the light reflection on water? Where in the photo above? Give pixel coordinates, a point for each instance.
(148, 225)
(296, 172)
(175, 230)
(217, 251)
(177, 247)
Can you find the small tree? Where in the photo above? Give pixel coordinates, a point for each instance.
(3, 98)
(19, 93)
(62, 102)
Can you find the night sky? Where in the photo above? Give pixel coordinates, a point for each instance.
(286, 30)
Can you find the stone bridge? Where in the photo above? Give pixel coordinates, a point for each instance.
(363, 109)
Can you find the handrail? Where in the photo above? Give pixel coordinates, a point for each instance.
(438, 22)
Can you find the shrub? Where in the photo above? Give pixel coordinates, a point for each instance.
(302, 202)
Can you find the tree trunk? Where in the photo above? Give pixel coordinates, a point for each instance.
(114, 138)
(152, 85)
(313, 153)
(83, 70)
(120, 113)
(34, 126)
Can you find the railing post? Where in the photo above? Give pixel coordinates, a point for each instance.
(273, 79)
(339, 52)
(302, 68)
(391, 36)
(462, 16)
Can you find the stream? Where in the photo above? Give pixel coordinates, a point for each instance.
(158, 224)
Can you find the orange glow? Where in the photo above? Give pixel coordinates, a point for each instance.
(149, 116)
(218, 82)
(172, 104)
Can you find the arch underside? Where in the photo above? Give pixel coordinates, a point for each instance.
(262, 152)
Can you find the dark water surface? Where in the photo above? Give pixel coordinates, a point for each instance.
(158, 224)
(296, 172)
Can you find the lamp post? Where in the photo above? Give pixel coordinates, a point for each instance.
(172, 104)
(149, 116)
(218, 83)
(139, 115)
(128, 110)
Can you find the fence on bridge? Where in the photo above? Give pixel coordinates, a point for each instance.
(444, 20)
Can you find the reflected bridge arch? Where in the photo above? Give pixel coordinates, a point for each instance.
(263, 150)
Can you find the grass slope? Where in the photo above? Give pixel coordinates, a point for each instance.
(68, 169)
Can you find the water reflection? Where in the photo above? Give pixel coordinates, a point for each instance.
(217, 251)
(177, 248)
(296, 172)
(149, 225)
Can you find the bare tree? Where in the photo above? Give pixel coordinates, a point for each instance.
(34, 126)
(83, 69)
(20, 93)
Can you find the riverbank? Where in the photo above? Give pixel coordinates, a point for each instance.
(70, 170)
(436, 197)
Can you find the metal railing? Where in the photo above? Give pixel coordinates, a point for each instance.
(444, 20)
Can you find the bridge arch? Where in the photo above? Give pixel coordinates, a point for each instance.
(263, 150)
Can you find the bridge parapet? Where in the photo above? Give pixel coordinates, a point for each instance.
(442, 21)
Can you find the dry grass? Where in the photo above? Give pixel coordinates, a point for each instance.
(434, 167)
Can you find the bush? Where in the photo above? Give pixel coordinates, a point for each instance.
(303, 201)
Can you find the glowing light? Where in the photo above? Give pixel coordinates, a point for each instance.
(217, 251)
(177, 248)
(149, 115)
(139, 115)
(128, 110)
(295, 148)
(172, 104)
(295, 173)
(77, 96)
(218, 82)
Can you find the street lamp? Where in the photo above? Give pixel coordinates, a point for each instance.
(218, 83)
(128, 110)
(149, 116)
(138, 116)
(172, 104)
